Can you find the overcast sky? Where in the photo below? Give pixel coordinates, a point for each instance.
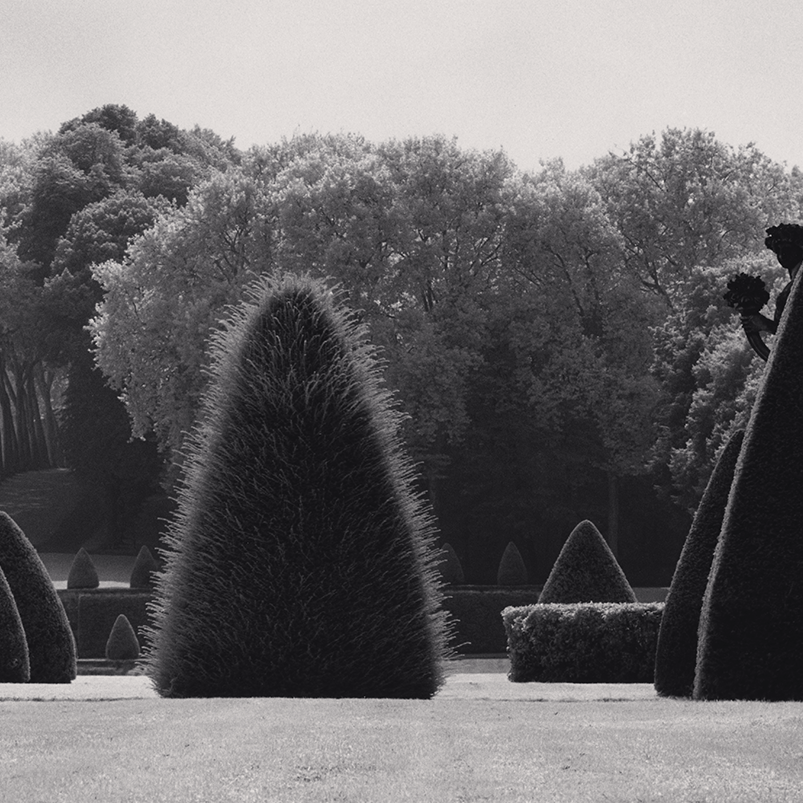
(567, 78)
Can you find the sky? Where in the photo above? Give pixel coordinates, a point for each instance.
(570, 79)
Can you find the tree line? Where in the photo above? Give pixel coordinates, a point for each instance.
(557, 339)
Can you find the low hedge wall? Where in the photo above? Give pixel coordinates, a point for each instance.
(93, 612)
(477, 614)
(590, 642)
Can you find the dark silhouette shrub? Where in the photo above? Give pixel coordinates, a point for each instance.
(123, 643)
(676, 654)
(15, 666)
(51, 646)
(751, 624)
(586, 571)
(301, 561)
(450, 567)
(144, 569)
(83, 573)
(511, 571)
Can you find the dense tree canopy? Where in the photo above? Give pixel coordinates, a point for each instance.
(558, 339)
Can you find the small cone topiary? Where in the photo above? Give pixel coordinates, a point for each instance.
(123, 644)
(751, 624)
(511, 571)
(676, 652)
(144, 569)
(586, 571)
(83, 573)
(450, 567)
(51, 646)
(301, 561)
(15, 666)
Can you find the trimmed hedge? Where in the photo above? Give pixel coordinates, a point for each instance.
(477, 615)
(301, 562)
(751, 625)
(583, 643)
(512, 571)
(51, 647)
(15, 666)
(586, 571)
(676, 655)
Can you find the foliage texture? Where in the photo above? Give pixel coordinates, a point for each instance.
(751, 625)
(51, 646)
(676, 654)
(301, 561)
(15, 666)
(586, 571)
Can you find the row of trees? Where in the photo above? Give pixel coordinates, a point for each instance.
(558, 339)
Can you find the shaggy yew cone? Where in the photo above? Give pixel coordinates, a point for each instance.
(751, 626)
(301, 561)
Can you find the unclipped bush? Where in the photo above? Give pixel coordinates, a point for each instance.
(83, 573)
(751, 625)
(14, 663)
(123, 643)
(450, 567)
(586, 571)
(301, 561)
(676, 655)
(144, 569)
(51, 647)
(583, 643)
(511, 571)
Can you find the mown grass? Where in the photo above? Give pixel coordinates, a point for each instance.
(378, 750)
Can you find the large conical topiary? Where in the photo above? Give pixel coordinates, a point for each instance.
(751, 625)
(301, 561)
(51, 646)
(676, 653)
(15, 666)
(586, 571)
(511, 571)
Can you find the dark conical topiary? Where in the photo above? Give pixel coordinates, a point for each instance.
(450, 567)
(83, 573)
(51, 646)
(15, 666)
(676, 652)
(511, 571)
(751, 625)
(122, 644)
(144, 569)
(301, 561)
(586, 571)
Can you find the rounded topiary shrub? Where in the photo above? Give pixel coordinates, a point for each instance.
(123, 644)
(301, 561)
(14, 663)
(144, 569)
(51, 646)
(676, 653)
(751, 624)
(511, 571)
(450, 567)
(586, 571)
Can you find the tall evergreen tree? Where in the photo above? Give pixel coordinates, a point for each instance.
(301, 560)
(751, 626)
(676, 653)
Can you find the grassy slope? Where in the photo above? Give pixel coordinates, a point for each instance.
(443, 750)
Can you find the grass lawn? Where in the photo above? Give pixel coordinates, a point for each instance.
(447, 749)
